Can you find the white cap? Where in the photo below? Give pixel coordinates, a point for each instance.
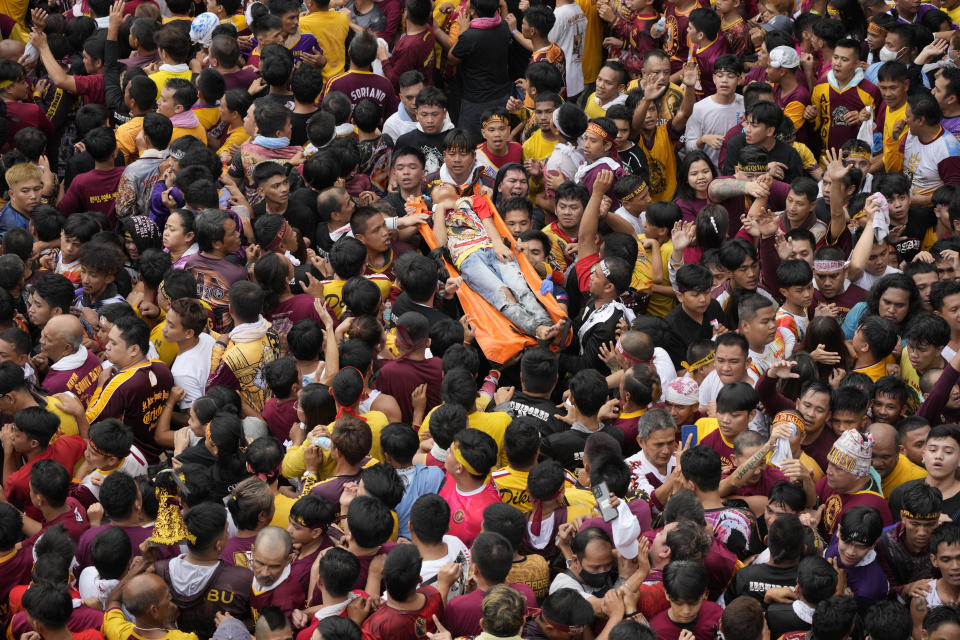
(784, 57)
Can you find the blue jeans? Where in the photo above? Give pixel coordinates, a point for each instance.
(486, 275)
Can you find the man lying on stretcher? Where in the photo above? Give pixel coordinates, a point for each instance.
(466, 227)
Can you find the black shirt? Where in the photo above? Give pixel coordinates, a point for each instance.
(919, 221)
(683, 330)
(403, 304)
(566, 447)
(543, 410)
(950, 506)
(754, 580)
(484, 63)
(781, 152)
(781, 619)
(431, 145)
(634, 161)
(298, 127)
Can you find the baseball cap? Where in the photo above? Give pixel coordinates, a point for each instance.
(778, 23)
(784, 57)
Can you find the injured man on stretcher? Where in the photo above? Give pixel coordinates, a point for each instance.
(466, 226)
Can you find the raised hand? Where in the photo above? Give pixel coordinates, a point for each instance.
(684, 234)
(691, 74)
(835, 167)
(604, 181)
(782, 369)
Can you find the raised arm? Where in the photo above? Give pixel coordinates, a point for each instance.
(58, 76)
(837, 172)
(861, 251)
(690, 75)
(651, 92)
(590, 220)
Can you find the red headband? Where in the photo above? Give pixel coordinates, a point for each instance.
(538, 511)
(406, 345)
(630, 357)
(348, 409)
(278, 240)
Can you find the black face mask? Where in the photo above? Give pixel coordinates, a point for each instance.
(599, 579)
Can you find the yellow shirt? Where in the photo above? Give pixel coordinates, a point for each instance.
(903, 472)
(592, 49)
(116, 627)
(812, 465)
(207, 115)
(281, 510)
(876, 370)
(512, 485)
(537, 147)
(68, 424)
(330, 28)
(806, 156)
(892, 157)
(127, 138)
(234, 137)
(492, 423)
(593, 109)
(240, 22)
(909, 374)
(662, 161)
(197, 132)
(953, 13)
(660, 304)
(16, 9)
(294, 465)
(160, 78)
(168, 351)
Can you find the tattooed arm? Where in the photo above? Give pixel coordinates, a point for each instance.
(918, 611)
(741, 474)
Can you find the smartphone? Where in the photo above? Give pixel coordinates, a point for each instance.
(602, 493)
(688, 431)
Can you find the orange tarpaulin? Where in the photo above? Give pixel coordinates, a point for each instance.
(499, 338)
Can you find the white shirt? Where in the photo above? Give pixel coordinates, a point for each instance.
(401, 123)
(456, 552)
(922, 163)
(664, 366)
(635, 222)
(867, 280)
(568, 33)
(135, 464)
(90, 585)
(565, 159)
(192, 368)
(708, 118)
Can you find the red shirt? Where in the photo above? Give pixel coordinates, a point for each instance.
(280, 416)
(21, 115)
(15, 567)
(399, 378)
(74, 522)
(466, 511)
(90, 88)
(411, 52)
(387, 623)
(66, 450)
(463, 613)
(703, 628)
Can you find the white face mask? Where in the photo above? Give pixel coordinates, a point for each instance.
(886, 55)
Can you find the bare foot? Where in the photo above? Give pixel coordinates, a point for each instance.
(548, 332)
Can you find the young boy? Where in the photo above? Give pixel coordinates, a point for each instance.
(210, 89)
(657, 224)
(309, 518)
(280, 412)
(99, 265)
(736, 407)
(925, 339)
(233, 110)
(571, 201)
(175, 49)
(733, 28)
(96, 190)
(891, 128)
(633, 160)
(873, 341)
(944, 551)
(599, 150)
(795, 279)
(719, 111)
(694, 318)
(273, 126)
(689, 614)
(496, 149)
(703, 30)
(517, 214)
(185, 323)
(656, 139)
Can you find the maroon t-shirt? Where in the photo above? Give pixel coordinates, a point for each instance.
(240, 79)
(81, 381)
(845, 301)
(706, 58)
(399, 378)
(387, 623)
(715, 441)
(21, 115)
(365, 84)
(463, 613)
(290, 311)
(288, 595)
(280, 416)
(136, 534)
(819, 448)
(703, 628)
(15, 567)
(93, 191)
(90, 88)
(235, 551)
(770, 476)
(74, 522)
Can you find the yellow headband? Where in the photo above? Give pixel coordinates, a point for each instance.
(919, 516)
(458, 456)
(753, 168)
(861, 155)
(598, 131)
(702, 362)
(495, 118)
(5, 83)
(876, 29)
(636, 192)
(791, 417)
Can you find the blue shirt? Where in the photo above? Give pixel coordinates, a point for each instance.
(10, 218)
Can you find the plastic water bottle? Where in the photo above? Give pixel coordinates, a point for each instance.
(323, 442)
(387, 313)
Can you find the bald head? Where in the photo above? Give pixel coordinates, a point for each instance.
(638, 345)
(273, 540)
(11, 50)
(886, 448)
(61, 336)
(143, 591)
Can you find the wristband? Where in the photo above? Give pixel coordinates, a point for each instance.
(514, 32)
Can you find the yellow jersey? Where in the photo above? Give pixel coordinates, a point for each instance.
(330, 28)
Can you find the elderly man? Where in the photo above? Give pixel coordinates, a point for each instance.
(73, 367)
(272, 584)
(147, 597)
(894, 467)
(848, 482)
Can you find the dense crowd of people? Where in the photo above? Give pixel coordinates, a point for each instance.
(400, 320)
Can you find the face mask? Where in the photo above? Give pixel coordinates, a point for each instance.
(886, 55)
(597, 580)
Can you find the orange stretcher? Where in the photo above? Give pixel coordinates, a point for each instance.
(499, 338)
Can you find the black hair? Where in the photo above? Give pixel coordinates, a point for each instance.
(924, 105)
(786, 538)
(492, 555)
(430, 518)
(588, 390)
(879, 333)
(367, 115)
(685, 581)
(348, 255)
(400, 442)
(11, 526)
(939, 616)
(401, 571)
(270, 116)
(335, 627)
(521, 441)
(612, 470)
(834, 617)
(507, 521)
(545, 480)
(816, 578)
(36, 422)
(362, 50)
(446, 422)
(544, 76)
(48, 603)
(206, 522)
(370, 522)
(540, 18)
(572, 121)
(276, 65)
(737, 396)
(479, 450)
(111, 552)
(339, 570)
(794, 273)
(383, 483)
(694, 277)
(50, 479)
(119, 494)
(789, 495)
(707, 22)
(134, 332)
(101, 143)
(701, 466)
(921, 498)
(684, 506)
(313, 511)
(361, 296)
